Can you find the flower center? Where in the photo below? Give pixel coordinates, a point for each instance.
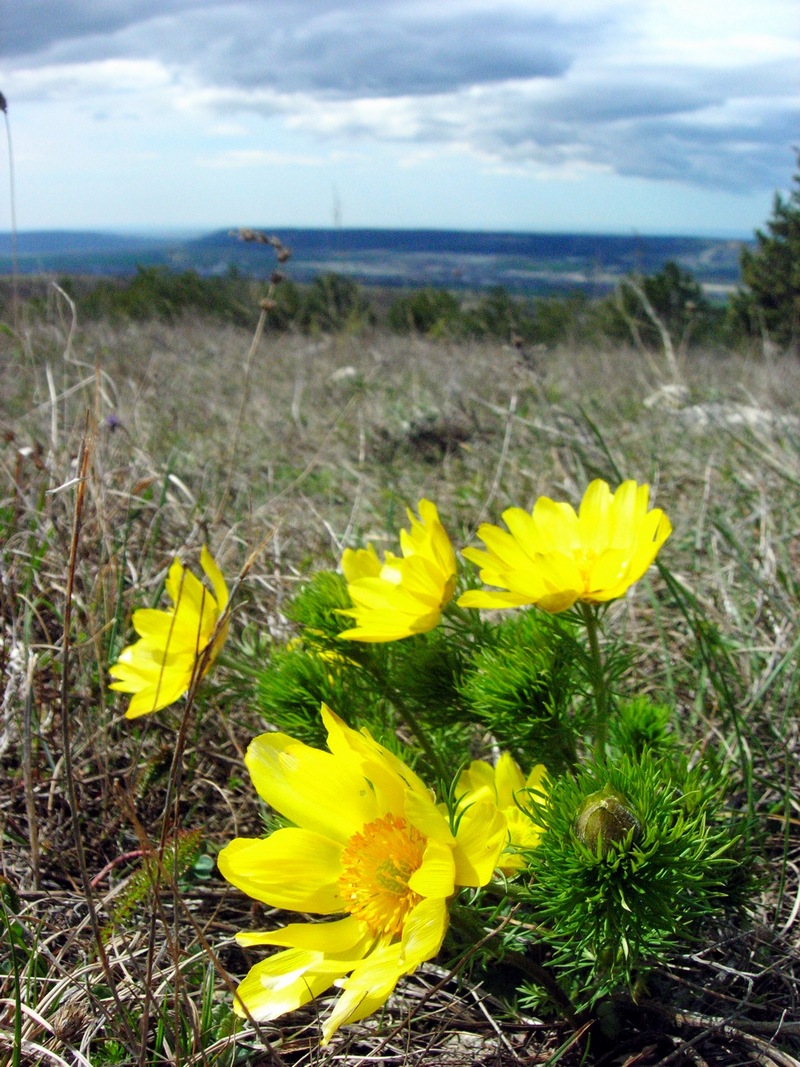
(378, 862)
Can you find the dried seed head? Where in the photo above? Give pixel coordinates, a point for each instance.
(251, 235)
(70, 1021)
(282, 251)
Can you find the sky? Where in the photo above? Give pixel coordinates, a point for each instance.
(645, 116)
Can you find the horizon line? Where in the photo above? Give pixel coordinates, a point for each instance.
(165, 232)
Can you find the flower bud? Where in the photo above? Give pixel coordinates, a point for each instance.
(604, 819)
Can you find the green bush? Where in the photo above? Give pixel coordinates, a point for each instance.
(431, 312)
(333, 303)
(561, 320)
(677, 300)
(158, 292)
(499, 315)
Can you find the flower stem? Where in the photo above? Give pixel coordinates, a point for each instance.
(597, 677)
(418, 730)
(474, 930)
(410, 721)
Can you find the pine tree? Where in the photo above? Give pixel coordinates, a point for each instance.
(770, 305)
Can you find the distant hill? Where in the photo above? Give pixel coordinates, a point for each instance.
(524, 263)
(81, 252)
(72, 242)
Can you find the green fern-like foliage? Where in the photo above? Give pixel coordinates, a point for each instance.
(637, 854)
(316, 667)
(641, 725)
(424, 671)
(522, 683)
(299, 679)
(380, 686)
(315, 608)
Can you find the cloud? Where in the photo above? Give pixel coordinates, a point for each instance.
(672, 90)
(341, 49)
(30, 29)
(417, 53)
(117, 77)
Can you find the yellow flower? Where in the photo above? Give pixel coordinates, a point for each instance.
(405, 594)
(368, 844)
(505, 786)
(555, 557)
(173, 644)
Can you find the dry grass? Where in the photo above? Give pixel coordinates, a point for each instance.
(114, 959)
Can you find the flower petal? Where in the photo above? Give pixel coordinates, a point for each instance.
(492, 599)
(214, 575)
(294, 869)
(424, 932)
(285, 982)
(421, 812)
(317, 790)
(186, 591)
(477, 778)
(435, 877)
(154, 684)
(154, 698)
(163, 630)
(360, 563)
(390, 778)
(508, 780)
(481, 835)
(372, 981)
(333, 938)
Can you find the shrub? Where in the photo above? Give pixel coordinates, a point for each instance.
(158, 292)
(432, 312)
(499, 315)
(332, 303)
